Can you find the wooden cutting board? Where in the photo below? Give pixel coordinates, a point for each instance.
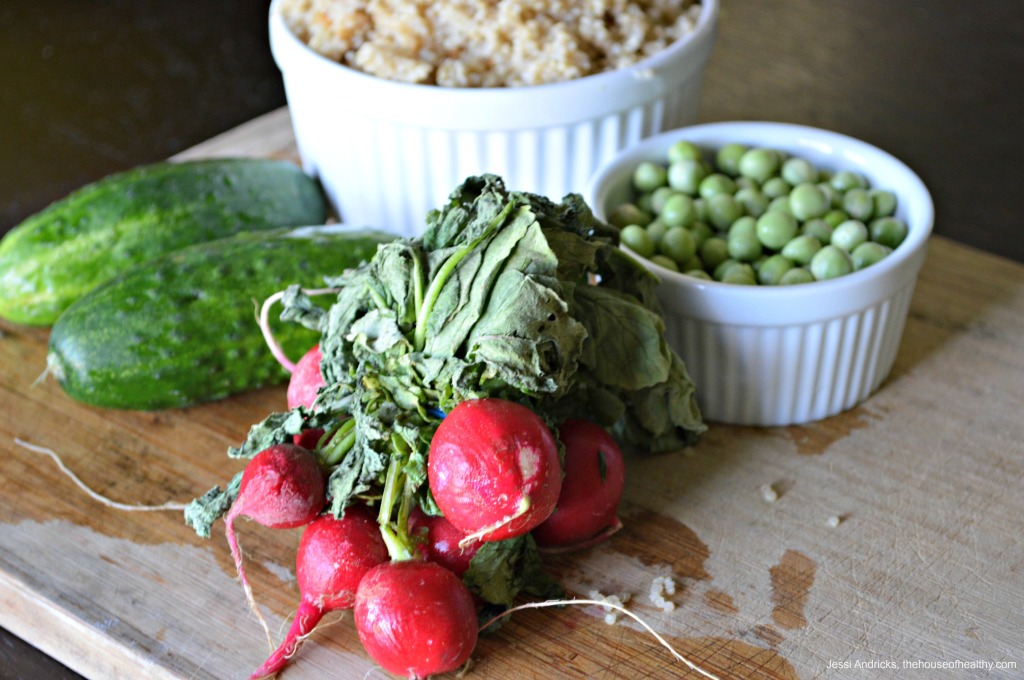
(925, 566)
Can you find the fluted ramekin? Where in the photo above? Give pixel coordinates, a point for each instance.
(387, 152)
(783, 355)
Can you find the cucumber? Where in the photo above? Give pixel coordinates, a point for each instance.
(181, 329)
(57, 255)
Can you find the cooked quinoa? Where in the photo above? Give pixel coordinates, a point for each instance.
(488, 43)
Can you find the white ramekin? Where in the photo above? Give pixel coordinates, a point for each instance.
(388, 152)
(783, 355)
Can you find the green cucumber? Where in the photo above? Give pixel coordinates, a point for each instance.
(181, 329)
(93, 234)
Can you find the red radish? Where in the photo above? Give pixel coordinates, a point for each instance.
(303, 386)
(282, 487)
(442, 542)
(334, 555)
(306, 379)
(595, 474)
(494, 469)
(415, 618)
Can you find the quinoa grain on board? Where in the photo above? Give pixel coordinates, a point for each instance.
(488, 43)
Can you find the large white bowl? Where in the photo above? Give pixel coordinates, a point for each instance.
(387, 152)
(782, 355)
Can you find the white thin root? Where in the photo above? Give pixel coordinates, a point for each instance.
(93, 494)
(607, 604)
(263, 317)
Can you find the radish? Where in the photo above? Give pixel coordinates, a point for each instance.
(442, 542)
(415, 618)
(494, 469)
(303, 386)
(305, 380)
(333, 556)
(282, 487)
(595, 474)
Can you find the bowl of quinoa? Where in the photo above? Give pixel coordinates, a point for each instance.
(394, 104)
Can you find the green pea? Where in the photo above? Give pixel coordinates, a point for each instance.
(627, 214)
(703, 215)
(830, 262)
(698, 274)
(743, 241)
(723, 210)
(775, 187)
(724, 266)
(658, 198)
(807, 201)
(679, 244)
(818, 228)
(844, 180)
(742, 274)
(781, 204)
(684, 149)
(666, 262)
(656, 229)
(648, 176)
(753, 201)
(728, 158)
(637, 239)
(802, 249)
(693, 263)
(884, 202)
(746, 183)
(858, 204)
(714, 251)
(835, 217)
(798, 171)
(686, 175)
(771, 270)
(742, 226)
(679, 211)
(868, 253)
(701, 231)
(833, 197)
(889, 231)
(795, 276)
(849, 235)
(776, 228)
(759, 164)
(716, 183)
(645, 202)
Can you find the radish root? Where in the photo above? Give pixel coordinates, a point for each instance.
(524, 507)
(263, 317)
(236, 554)
(607, 605)
(100, 498)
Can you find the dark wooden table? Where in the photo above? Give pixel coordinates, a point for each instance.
(88, 88)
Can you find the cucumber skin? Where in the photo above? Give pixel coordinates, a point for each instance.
(57, 255)
(181, 330)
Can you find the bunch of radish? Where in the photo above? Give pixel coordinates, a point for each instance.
(495, 470)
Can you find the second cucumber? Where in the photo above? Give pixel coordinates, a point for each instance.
(181, 328)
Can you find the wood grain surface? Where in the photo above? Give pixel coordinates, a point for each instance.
(893, 537)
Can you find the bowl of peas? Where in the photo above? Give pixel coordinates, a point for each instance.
(787, 257)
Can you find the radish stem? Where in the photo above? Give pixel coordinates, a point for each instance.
(434, 290)
(263, 316)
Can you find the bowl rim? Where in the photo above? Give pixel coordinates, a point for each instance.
(661, 62)
(899, 267)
